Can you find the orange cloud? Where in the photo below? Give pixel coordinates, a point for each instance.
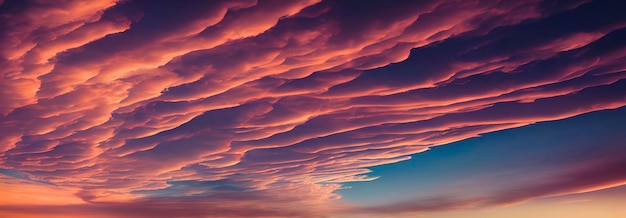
(124, 104)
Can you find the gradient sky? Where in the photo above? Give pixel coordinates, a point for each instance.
(244, 108)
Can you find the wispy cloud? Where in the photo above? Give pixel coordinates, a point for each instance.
(584, 178)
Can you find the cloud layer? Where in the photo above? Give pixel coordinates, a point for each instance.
(222, 106)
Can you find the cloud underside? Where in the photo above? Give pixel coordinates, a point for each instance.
(236, 108)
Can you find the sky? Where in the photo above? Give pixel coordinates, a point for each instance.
(244, 108)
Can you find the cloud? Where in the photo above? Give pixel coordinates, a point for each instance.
(126, 103)
(586, 177)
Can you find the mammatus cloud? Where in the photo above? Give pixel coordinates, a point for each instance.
(225, 107)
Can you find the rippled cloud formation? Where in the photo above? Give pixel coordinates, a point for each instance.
(264, 108)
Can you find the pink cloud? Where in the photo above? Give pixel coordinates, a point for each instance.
(117, 101)
(584, 178)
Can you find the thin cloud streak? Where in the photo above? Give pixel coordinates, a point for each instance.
(600, 175)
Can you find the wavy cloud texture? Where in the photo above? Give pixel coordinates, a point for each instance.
(238, 108)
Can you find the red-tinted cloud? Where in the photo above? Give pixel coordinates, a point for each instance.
(227, 107)
(594, 176)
